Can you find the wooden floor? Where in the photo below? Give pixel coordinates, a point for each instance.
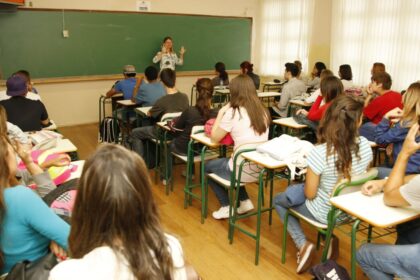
(206, 245)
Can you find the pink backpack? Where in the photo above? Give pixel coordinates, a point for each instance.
(227, 140)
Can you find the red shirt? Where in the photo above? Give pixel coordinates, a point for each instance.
(382, 105)
(317, 111)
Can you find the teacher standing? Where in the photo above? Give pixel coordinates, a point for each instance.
(167, 56)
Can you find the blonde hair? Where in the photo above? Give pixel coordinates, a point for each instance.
(411, 101)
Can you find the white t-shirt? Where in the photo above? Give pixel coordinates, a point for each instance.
(238, 124)
(102, 263)
(411, 192)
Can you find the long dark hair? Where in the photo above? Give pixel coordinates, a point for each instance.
(115, 207)
(243, 94)
(339, 129)
(331, 87)
(205, 93)
(221, 68)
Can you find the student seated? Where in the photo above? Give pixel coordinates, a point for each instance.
(125, 86)
(340, 153)
(331, 87)
(28, 226)
(147, 91)
(33, 172)
(222, 78)
(121, 237)
(315, 75)
(28, 115)
(346, 76)
(376, 109)
(292, 89)
(32, 92)
(247, 121)
(394, 127)
(377, 67)
(301, 76)
(248, 69)
(380, 261)
(173, 101)
(314, 95)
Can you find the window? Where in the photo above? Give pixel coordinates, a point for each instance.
(364, 32)
(285, 33)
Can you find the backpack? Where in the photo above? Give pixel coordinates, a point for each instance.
(109, 130)
(329, 270)
(61, 200)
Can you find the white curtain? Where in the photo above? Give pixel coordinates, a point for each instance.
(368, 31)
(284, 34)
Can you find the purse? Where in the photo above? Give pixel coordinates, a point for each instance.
(36, 270)
(227, 140)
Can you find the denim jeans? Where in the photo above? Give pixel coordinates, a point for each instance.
(140, 134)
(381, 262)
(383, 172)
(408, 233)
(221, 168)
(282, 204)
(367, 130)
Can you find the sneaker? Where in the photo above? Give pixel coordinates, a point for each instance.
(304, 257)
(333, 250)
(222, 213)
(245, 206)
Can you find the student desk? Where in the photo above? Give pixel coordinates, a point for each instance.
(76, 174)
(221, 96)
(141, 114)
(288, 124)
(207, 144)
(52, 126)
(64, 146)
(103, 100)
(268, 95)
(125, 106)
(294, 104)
(268, 166)
(273, 86)
(372, 210)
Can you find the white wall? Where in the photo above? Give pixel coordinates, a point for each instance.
(77, 102)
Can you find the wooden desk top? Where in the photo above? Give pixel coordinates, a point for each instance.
(264, 160)
(268, 94)
(143, 110)
(202, 138)
(289, 122)
(273, 83)
(299, 102)
(126, 103)
(372, 209)
(163, 125)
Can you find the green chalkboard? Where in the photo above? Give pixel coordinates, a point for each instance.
(101, 43)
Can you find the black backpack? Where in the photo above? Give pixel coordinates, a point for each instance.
(109, 130)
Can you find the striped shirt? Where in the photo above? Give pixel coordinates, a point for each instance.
(325, 167)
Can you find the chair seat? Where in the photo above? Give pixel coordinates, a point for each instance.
(196, 158)
(220, 180)
(309, 221)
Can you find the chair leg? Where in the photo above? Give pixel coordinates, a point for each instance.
(318, 240)
(369, 237)
(270, 214)
(284, 238)
(353, 248)
(260, 200)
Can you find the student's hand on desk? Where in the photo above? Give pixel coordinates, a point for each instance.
(58, 251)
(410, 146)
(302, 112)
(394, 115)
(61, 160)
(372, 187)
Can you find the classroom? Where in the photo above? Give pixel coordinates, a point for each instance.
(185, 139)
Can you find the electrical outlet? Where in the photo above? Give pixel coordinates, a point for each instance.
(66, 34)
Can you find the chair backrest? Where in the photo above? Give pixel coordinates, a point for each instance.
(170, 116)
(197, 129)
(345, 186)
(247, 147)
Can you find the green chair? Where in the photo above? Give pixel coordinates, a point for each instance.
(342, 187)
